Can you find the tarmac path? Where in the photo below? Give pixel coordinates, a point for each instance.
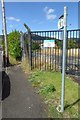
(23, 101)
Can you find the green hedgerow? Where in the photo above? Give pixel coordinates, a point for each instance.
(14, 46)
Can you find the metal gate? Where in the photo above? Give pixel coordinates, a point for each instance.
(46, 58)
(50, 58)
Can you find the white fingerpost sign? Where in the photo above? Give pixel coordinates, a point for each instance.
(61, 22)
(49, 43)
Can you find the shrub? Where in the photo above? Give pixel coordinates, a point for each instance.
(14, 45)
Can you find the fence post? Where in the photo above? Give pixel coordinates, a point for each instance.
(29, 45)
(22, 45)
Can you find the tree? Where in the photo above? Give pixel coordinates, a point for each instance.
(72, 43)
(35, 46)
(14, 45)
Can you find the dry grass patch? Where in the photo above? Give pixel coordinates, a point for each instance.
(25, 65)
(13, 61)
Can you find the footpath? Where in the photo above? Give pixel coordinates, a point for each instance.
(23, 101)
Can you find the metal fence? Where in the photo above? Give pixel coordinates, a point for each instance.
(50, 58)
(73, 52)
(46, 58)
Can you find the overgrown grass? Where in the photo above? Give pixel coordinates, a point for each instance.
(13, 61)
(48, 85)
(25, 66)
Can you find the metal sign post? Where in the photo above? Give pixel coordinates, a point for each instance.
(64, 59)
(62, 23)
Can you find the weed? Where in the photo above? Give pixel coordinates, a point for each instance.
(47, 89)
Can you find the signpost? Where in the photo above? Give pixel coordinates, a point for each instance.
(49, 43)
(61, 22)
(64, 25)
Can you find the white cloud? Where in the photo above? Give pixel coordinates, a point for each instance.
(51, 17)
(13, 19)
(49, 13)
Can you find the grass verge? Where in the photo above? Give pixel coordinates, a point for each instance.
(48, 85)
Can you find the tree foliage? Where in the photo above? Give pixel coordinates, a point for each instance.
(72, 43)
(14, 44)
(35, 46)
(59, 43)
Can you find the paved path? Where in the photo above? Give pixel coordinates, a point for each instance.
(23, 101)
